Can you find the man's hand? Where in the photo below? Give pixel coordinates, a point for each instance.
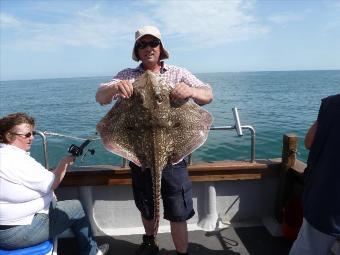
(123, 89)
(181, 92)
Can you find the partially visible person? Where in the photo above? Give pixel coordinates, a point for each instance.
(320, 230)
(29, 214)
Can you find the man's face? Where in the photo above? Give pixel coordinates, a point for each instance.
(149, 50)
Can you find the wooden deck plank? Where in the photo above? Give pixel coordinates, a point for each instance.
(200, 171)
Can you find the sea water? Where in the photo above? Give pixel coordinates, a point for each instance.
(274, 103)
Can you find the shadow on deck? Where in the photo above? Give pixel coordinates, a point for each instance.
(243, 240)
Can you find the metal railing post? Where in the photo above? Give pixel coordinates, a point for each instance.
(253, 135)
(44, 140)
(125, 162)
(238, 127)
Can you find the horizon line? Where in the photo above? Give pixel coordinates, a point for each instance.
(195, 73)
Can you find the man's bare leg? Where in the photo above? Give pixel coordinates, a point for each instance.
(149, 245)
(148, 226)
(179, 233)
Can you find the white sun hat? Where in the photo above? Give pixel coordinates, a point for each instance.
(149, 30)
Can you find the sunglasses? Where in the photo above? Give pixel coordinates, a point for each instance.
(27, 135)
(152, 44)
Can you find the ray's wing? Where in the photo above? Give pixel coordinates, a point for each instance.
(191, 124)
(117, 130)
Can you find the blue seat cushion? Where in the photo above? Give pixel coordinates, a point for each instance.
(39, 249)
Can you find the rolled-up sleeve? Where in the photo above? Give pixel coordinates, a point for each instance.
(126, 74)
(191, 80)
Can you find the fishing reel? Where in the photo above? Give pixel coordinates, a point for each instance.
(78, 150)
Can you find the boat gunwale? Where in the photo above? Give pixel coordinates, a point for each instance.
(198, 172)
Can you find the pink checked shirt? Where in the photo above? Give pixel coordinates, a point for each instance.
(172, 75)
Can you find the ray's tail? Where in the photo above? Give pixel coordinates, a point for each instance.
(157, 176)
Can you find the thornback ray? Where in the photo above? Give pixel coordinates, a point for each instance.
(152, 132)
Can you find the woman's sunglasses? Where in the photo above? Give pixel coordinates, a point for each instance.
(27, 135)
(152, 44)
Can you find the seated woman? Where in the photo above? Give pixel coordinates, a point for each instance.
(28, 213)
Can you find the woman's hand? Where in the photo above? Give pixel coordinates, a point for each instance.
(60, 170)
(68, 160)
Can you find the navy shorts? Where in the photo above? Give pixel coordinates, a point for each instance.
(176, 192)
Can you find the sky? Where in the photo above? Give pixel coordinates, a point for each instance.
(80, 38)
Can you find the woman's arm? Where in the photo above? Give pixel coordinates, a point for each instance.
(60, 170)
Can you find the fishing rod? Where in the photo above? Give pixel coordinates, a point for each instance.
(74, 149)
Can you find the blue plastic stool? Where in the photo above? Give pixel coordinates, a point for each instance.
(39, 249)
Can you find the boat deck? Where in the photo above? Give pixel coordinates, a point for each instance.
(234, 191)
(241, 240)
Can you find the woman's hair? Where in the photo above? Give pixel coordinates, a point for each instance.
(8, 123)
